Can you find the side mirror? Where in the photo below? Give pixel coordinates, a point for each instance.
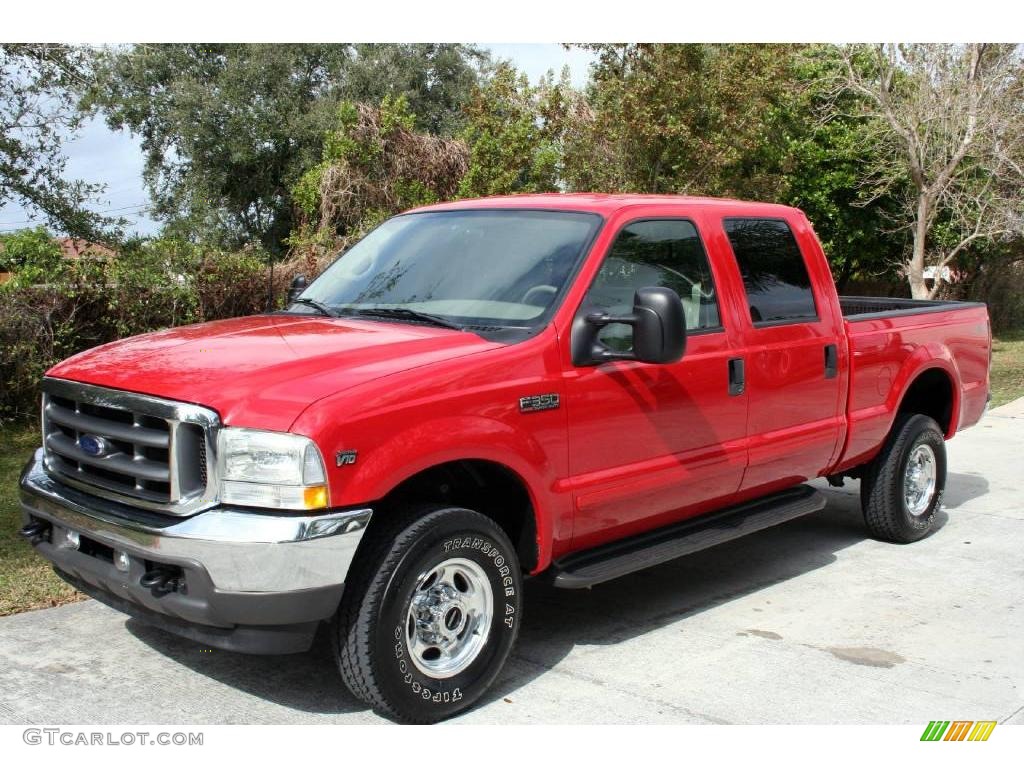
(659, 330)
(299, 284)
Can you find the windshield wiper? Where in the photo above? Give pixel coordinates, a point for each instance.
(324, 309)
(402, 313)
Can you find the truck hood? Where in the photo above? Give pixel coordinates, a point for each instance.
(263, 371)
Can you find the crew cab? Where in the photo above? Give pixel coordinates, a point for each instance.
(565, 387)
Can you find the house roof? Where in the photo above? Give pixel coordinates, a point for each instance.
(76, 248)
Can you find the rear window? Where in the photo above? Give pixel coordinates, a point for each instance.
(774, 274)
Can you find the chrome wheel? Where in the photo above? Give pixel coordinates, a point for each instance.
(919, 479)
(449, 617)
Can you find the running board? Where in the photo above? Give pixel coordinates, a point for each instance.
(609, 561)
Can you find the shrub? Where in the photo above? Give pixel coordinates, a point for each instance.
(31, 255)
(149, 286)
(232, 284)
(39, 325)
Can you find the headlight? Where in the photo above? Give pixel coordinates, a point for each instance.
(270, 469)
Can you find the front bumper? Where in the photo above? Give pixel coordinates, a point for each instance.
(245, 580)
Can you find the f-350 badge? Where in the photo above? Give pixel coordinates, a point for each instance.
(532, 403)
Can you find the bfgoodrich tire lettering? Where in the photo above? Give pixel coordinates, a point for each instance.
(883, 488)
(371, 629)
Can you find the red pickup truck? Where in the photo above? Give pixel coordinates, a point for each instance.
(570, 387)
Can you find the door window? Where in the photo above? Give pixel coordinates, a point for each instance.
(657, 253)
(774, 274)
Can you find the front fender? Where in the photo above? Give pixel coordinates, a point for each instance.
(464, 409)
(401, 454)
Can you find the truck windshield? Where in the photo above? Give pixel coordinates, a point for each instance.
(481, 268)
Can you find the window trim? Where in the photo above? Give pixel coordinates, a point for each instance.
(804, 320)
(720, 328)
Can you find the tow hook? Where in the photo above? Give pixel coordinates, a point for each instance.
(161, 580)
(36, 532)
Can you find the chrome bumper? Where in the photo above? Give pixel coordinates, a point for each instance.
(242, 551)
(242, 580)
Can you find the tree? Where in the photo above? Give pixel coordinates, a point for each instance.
(820, 156)
(681, 119)
(435, 80)
(31, 254)
(735, 120)
(375, 164)
(39, 84)
(228, 130)
(510, 128)
(946, 129)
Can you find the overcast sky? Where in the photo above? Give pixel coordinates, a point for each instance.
(99, 155)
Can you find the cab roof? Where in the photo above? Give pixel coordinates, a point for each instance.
(606, 204)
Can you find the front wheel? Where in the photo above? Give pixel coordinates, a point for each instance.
(430, 613)
(902, 488)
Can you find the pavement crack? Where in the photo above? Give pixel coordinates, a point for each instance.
(1013, 714)
(573, 675)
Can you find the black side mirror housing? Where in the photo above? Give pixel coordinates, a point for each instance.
(659, 331)
(299, 284)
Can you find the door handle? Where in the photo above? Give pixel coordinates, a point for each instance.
(737, 377)
(831, 361)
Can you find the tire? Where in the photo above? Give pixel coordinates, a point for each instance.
(899, 505)
(464, 575)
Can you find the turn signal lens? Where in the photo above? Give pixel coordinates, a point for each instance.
(315, 497)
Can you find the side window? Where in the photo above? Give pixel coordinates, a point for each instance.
(649, 254)
(773, 270)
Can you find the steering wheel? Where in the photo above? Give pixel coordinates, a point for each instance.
(536, 291)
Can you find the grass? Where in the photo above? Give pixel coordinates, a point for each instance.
(27, 582)
(1007, 367)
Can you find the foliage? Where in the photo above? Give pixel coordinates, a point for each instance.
(512, 132)
(1007, 380)
(148, 286)
(433, 79)
(228, 130)
(375, 164)
(738, 120)
(27, 581)
(691, 119)
(38, 87)
(996, 276)
(820, 155)
(31, 255)
(944, 129)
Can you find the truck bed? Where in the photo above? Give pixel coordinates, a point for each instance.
(871, 308)
(888, 340)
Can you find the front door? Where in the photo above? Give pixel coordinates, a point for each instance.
(650, 444)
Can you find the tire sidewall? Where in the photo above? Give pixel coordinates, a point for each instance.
(463, 534)
(921, 430)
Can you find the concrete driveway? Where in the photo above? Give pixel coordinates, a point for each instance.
(810, 622)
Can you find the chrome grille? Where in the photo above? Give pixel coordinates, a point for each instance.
(137, 449)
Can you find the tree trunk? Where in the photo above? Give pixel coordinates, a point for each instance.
(915, 267)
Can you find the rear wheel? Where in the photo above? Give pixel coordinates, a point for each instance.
(430, 613)
(902, 488)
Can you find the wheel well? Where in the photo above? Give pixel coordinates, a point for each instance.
(930, 394)
(483, 486)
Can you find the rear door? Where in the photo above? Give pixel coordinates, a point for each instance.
(793, 346)
(650, 444)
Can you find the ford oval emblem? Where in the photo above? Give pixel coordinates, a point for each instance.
(94, 445)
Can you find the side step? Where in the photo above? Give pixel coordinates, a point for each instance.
(609, 561)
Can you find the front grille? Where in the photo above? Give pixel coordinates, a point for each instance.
(138, 449)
